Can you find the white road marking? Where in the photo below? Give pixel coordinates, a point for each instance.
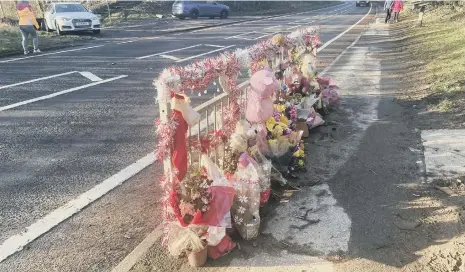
(15, 105)
(206, 53)
(266, 35)
(37, 79)
(170, 51)
(170, 57)
(212, 45)
(52, 53)
(271, 27)
(127, 263)
(339, 56)
(292, 27)
(239, 35)
(90, 76)
(341, 34)
(125, 42)
(43, 225)
(259, 20)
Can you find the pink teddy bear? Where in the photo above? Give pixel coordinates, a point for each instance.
(259, 96)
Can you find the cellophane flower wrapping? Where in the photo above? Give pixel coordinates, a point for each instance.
(222, 195)
(264, 167)
(245, 209)
(330, 94)
(314, 119)
(279, 146)
(182, 239)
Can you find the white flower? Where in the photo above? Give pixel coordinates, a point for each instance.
(243, 199)
(241, 210)
(238, 220)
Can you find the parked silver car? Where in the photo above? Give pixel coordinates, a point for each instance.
(66, 17)
(196, 9)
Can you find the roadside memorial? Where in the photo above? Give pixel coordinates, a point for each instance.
(221, 158)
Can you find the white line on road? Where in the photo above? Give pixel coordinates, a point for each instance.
(128, 263)
(52, 53)
(206, 53)
(271, 27)
(17, 242)
(292, 27)
(339, 56)
(239, 35)
(170, 57)
(15, 105)
(170, 51)
(126, 42)
(90, 76)
(341, 34)
(212, 45)
(37, 79)
(266, 35)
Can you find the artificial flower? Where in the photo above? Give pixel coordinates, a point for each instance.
(243, 199)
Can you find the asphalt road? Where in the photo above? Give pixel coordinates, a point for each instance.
(55, 149)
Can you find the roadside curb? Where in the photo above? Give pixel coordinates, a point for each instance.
(187, 29)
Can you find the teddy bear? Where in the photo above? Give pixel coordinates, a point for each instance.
(297, 83)
(259, 96)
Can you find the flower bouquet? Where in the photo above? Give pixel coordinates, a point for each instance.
(245, 209)
(195, 196)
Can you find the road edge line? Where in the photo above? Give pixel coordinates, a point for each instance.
(17, 242)
(140, 251)
(343, 33)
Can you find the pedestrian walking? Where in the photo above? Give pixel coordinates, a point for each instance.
(397, 8)
(388, 8)
(28, 25)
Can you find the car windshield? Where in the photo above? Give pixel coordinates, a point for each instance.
(70, 8)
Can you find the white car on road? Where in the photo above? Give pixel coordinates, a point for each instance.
(68, 17)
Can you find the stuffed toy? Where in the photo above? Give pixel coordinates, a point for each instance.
(259, 102)
(297, 83)
(307, 67)
(182, 104)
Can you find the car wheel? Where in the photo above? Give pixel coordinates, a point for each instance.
(181, 17)
(59, 31)
(211, 17)
(97, 31)
(224, 14)
(194, 14)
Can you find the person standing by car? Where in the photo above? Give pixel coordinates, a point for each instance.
(28, 25)
(388, 8)
(397, 8)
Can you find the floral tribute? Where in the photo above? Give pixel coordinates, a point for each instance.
(195, 196)
(201, 201)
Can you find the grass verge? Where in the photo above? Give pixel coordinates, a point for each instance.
(439, 48)
(10, 40)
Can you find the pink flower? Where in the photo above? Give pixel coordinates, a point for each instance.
(205, 200)
(186, 208)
